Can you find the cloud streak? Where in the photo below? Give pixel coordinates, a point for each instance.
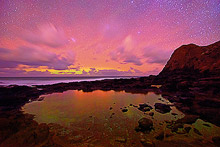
(34, 56)
(48, 35)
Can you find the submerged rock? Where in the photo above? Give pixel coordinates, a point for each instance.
(188, 119)
(144, 107)
(145, 124)
(124, 110)
(162, 108)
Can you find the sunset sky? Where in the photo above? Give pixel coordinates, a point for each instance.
(100, 37)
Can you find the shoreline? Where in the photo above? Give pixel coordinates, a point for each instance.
(191, 101)
(13, 96)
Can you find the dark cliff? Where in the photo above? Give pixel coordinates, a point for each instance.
(192, 59)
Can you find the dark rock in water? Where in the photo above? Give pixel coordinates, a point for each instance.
(144, 107)
(197, 131)
(216, 140)
(187, 129)
(112, 115)
(162, 108)
(207, 125)
(176, 127)
(173, 113)
(188, 119)
(145, 124)
(151, 113)
(124, 110)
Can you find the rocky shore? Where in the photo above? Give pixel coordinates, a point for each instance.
(190, 80)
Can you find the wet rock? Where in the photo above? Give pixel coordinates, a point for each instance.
(188, 119)
(42, 132)
(144, 107)
(145, 124)
(187, 129)
(41, 98)
(197, 131)
(151, 113)
(147, 143)
(174, 114)
(176, 127)
(162, 108)
(216, 140)
(207, 125)
(160, 136)
(121, 139)
(124, 110)
(209, 103)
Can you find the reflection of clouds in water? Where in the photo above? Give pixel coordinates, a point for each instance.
(97, 103)
(90, 111)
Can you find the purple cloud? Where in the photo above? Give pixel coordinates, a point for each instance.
(34, 56)
(155, 55)
(121, 55)
(48, 35)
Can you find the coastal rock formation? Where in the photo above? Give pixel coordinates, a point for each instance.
(194, 59)
(162, 108)
(145, 124)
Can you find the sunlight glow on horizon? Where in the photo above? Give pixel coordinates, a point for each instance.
(90, 37)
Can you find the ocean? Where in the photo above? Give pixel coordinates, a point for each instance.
(5, 81)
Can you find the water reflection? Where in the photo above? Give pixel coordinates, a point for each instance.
(99, 115)
(75, 106)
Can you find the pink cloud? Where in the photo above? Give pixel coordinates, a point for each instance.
(125, 53)
(35, 56)
(156, 55)
(48, 35)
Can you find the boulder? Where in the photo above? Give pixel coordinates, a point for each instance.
(144, 107)
(162, 108)
(145, 124)
(188, 119)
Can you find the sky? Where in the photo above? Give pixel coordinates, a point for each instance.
(100, 37)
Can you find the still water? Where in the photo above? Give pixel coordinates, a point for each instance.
(99, 114)
(75, 106)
